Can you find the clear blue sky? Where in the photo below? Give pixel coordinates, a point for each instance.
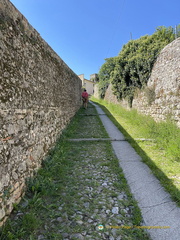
(85, 32)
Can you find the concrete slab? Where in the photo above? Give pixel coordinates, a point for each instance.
(111, 129)
(160, 214)
(93, 139)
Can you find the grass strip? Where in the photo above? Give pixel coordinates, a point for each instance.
(162, 154)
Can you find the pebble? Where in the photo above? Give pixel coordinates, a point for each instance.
(120, 196)
(41, 237)
(86, 205)
(65, 235)
(108, 211)
(80, 222)
(118, 238)
(115, 210)
(90, 221)
(111, 238)
(78, 236)
(104, 184)
(59, 219)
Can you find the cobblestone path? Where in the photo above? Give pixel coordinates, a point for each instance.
(92, 200)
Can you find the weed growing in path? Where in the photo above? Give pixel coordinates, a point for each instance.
(79, 187)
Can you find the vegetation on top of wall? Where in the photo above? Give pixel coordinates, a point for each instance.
(132, 67)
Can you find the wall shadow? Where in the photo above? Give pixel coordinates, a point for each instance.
(158, 173)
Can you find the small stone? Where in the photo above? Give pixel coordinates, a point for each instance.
(90, 221)
(73, 224)
(118, 238)
(65, 235)
(86, 205)
(10, 129)
(96, 210)
(104, 184)
(125, 210)
(22, 167)
(121, 196)
(89, 237)
(20, 214)
(111, 201)
(41, 237)
(111, 238)
(119, 221)
(115, 210)
(108, 211)
(114, 232)
(80, 222)
(78, 212)
(106, 233)
(78, 236)
(59, 219)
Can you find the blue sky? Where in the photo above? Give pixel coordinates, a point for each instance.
(85, 32)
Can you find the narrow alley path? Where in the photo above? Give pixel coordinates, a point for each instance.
(80, 193)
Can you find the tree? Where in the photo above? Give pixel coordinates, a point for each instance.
(135, 61)
(177, 31)
(105, 75)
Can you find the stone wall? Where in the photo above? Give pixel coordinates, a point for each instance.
(161, 98)
(39, 94)
(96, 91)
(109, 96)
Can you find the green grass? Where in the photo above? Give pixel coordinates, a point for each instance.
(161, 151)
(55, 192)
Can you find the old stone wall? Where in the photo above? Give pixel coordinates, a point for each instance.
(39, 94)
(96, 91)
(161, 98)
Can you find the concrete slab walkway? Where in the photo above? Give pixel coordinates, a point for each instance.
(160, 214)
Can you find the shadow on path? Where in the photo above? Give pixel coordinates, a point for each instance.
(165, 181)
(158, 210)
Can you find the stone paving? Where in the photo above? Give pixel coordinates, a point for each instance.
(98, 200)
(95, 201)
(97, 195)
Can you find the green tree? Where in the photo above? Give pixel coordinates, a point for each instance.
(177, 31)
(105, 75)
(135, 61)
